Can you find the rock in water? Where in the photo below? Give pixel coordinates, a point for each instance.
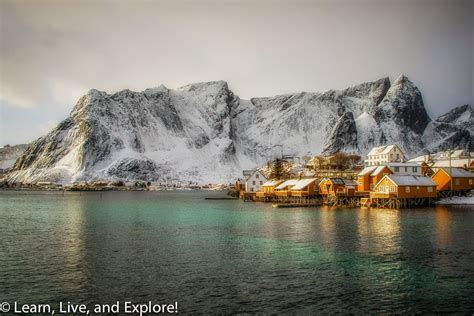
(204, 133)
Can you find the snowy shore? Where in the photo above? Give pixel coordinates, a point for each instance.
(457, 200)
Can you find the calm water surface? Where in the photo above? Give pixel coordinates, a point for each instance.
(233, 257)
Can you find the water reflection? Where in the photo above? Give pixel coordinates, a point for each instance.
(443, 229)
(379, 230)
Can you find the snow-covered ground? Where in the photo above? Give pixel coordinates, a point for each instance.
(457, 200)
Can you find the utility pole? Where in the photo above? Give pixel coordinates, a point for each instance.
(450, 174)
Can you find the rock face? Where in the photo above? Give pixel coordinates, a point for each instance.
(204, 133)
(9, 154)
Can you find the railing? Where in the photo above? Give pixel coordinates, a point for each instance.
(382, 195)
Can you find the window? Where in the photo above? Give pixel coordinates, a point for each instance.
(417, 187)
(430, 189)
(470, 181)
(397, 169)
(261, 182)
(392, 188)
(253, 182)
(415, 169)
(256, 176)
(251, 189)
(456, 181)
(371, 187)
(398, 156)
(407, 189)
(391, 156)
(386, 188)
(406, 169)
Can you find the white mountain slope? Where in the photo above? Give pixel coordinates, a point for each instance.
(205, 134)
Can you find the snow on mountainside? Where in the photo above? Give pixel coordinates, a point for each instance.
(204, 133)
(8, 155)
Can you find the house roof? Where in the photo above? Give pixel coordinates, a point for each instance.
(459, 163)
(377, 170)
(402, 164)
(336, 181)
(459, 173)
(248, 173)
(374, 170)
(350, 182)
(301, 184)
(285, 184)
(367, 170)
(382, 150)
(272, 183)
(407, 180)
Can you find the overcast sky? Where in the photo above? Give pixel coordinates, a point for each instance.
(52, 52)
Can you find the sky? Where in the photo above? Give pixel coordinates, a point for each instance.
(53, 52)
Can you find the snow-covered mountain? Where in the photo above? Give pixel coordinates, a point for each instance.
(204, 133)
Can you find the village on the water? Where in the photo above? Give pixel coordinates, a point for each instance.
(386, 179)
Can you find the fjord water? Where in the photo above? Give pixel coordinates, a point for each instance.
(231, 256)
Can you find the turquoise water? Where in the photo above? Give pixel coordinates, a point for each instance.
(231, 256)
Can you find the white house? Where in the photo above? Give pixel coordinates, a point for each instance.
(405, 168)
(384, 154)
(254, 179)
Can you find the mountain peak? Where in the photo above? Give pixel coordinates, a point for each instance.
(401, 79)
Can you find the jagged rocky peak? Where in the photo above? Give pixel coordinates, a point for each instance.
(461, 114)
(401, 116)
(343, 135)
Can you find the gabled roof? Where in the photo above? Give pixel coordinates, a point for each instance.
(378, 170)
(248, 173)
(458, 173)
(381, 150)
(374, 170)
(272, 183)
(285, 184)
(407, 180)
(367, 170)
(459, 163)
(350, 182)
(301, 184)
(402, 164)
(336, 181)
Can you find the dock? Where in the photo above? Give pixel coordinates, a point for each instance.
(288, 205)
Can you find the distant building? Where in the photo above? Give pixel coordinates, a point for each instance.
(462, 180)
(384, 154)
(254, 180)
(459, 159)
(405, 168)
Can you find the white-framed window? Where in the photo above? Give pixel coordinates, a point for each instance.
(470, 181)
(386, 188)
(407, 189)
(415, 169)
(430, 189)
(456, 181)
(261, 182)
(253, 182)
(397, 169)
(256, 176)
(392, 188)
(417, 187)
